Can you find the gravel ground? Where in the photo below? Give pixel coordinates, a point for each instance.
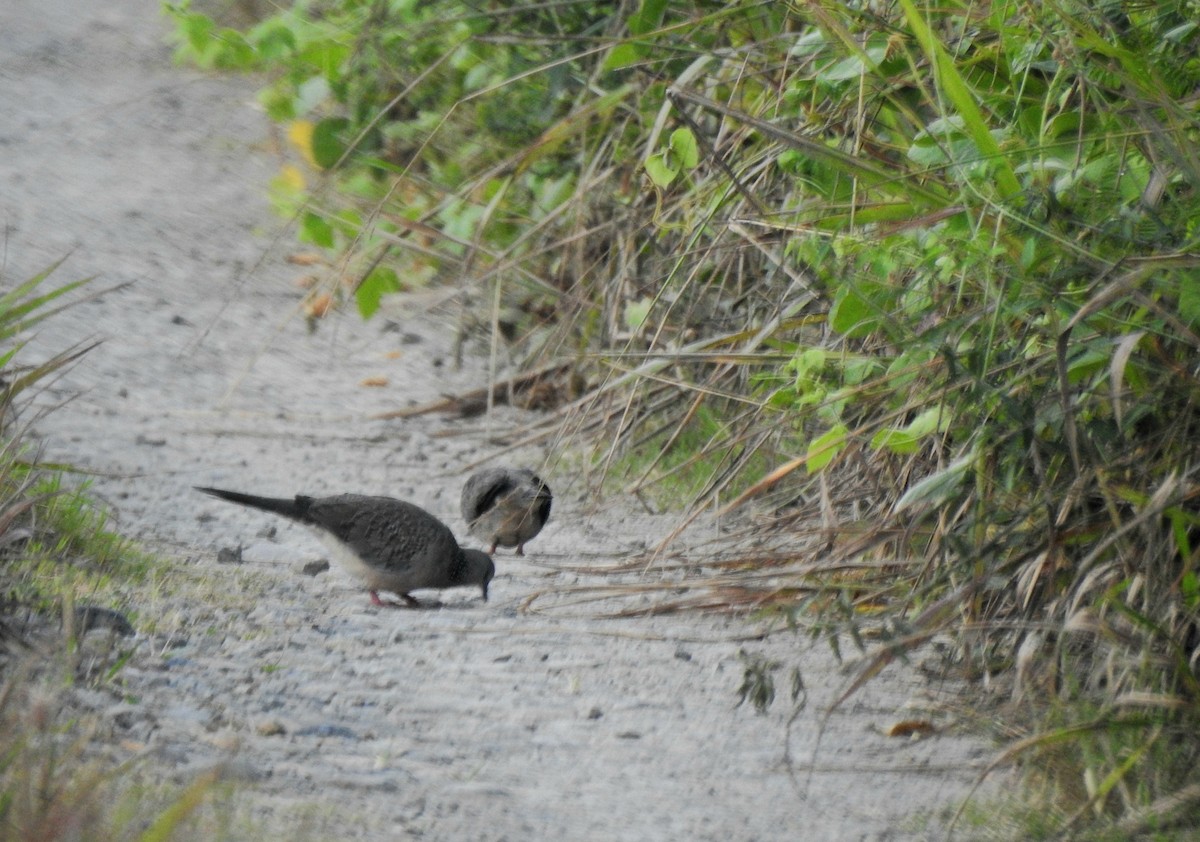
(465, 720)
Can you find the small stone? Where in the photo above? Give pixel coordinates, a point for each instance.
(88, 617)
(228, 555)
(314, 568)
(270, 728)
(327, 731)
(595, 713)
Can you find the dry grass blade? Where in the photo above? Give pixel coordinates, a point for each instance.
(1174, 810)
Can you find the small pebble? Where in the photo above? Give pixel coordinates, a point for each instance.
(313, 568)
(327, 731)
(270, 728)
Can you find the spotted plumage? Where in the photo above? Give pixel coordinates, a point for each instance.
(506, 507)
(391, 545)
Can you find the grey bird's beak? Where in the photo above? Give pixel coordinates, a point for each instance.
(484, 589)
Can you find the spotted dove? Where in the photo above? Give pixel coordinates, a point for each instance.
(389, 544)
(505, 507)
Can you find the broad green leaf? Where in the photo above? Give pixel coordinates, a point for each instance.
(374, 287)
(648, 18)
(852, 315)
(906, 367)
(328, 144)
(660, 172)
(824, 448)
(806, 362)
(278, 104)
(857, 369)
(1086, 364)
(853, 66)
(684, 148)
(636, 313)
(316, 230)
(928, 422)
(1189, 297)
(198, 30)
(939, 487)
(273, 40)
(897, 441)
(682, 152)
(623, 55)
(811, 43)
(908, 439)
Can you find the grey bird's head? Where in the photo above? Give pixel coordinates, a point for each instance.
(479, 568)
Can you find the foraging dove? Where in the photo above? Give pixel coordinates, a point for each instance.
(506, 506)
(390, 544)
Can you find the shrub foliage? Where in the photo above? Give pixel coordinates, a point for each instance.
(924, 271)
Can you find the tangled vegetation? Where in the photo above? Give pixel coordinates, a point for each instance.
(920, 279)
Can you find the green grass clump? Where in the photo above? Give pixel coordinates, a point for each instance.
(65, 547)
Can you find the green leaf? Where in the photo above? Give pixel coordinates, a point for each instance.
(853, 66)
(316, 230)
(660, 172)
(806, 362)
(908, 366)
(648, 18)
(198, 30)
(897, 441)
(624, 55)
(1087, 363)
(382, 281)
(274, 41)
(328, 146)
(852, 315)
(682, 152)
(939, 487)
(857, 369)
(684, 148)
(636, 313)
(824, 448)
(1189, 298)
(908, 439)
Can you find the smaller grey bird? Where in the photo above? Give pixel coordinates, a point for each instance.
(506, 506)
(389, 544)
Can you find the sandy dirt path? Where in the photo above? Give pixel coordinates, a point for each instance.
(462, 721)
